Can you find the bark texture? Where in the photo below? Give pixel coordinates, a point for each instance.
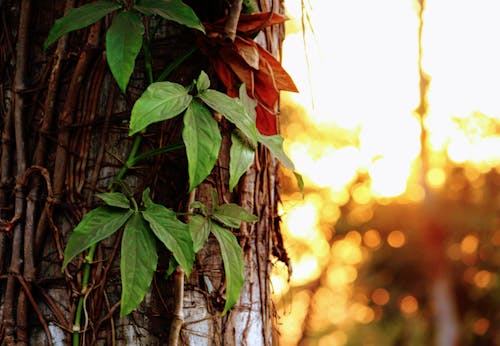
(64, 127)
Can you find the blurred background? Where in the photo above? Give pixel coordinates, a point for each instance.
(396, 131)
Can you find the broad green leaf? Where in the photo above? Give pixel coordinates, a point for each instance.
(160, 101)
(137, 264)
(275, 145)
(202, 140)
(248, 103)
(232, 109)
(173, 233)
(232, 215)
(241, 158)
(96, 225)
(115, 199)
(200, 230)
(202, 83)
(234, 268)
(80, 17)
(123, 43)
(174, 10)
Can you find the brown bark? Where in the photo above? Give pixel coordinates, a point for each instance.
(62, 165)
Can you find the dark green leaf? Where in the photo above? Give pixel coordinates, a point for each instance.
(123, 43)
(96, 225)
(241, 158)
(200, 230)
(115, 199)
(146, 198)
(232, 109)
(275, 145)
(202, 83)
(174, 10)
(173, 233)
(160, 101)
(234, 268)
(300, 181)
(232, 215)
(137, 264)
(80, 17)
(202, 140)
(172, 266)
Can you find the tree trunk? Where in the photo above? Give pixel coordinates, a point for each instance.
(64, 138)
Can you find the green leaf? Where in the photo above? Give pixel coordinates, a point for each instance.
(202, 140)
(232, 215)
(241, 158)
(173, 233)
(232, 109)
(137, 264)
(199, 227)
(234, 268)
(199, 205)
(248, 103)
(96, 225)
(172, 266)
(174, 10)
(275, 145)
(115, 199)
(78, 18)
(160, 101)
(202, 83)
(123, 43)
(146, 198)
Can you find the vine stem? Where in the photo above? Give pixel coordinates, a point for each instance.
(11, 327)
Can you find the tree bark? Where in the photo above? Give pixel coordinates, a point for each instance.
(63, 164)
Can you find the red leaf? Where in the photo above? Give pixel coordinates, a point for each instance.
(281, 77)
(257, 21)
(267, 122)
(265, 87)
(249, 23)
(247, 49)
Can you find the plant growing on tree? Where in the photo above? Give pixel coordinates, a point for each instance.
(144, 221)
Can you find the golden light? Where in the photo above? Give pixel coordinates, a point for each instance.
(305, 269)
(346, 251)
(396, 239)
(336, 338)
(359, 87)
(408, 305)
(301, 220)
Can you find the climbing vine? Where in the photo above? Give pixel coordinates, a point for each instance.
(253, 79)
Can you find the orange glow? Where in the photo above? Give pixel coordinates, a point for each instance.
(408, 305)
(372, 239)
(380, 296)
(469, 244)
(362, 313)
(482, 278)
(481, 326)
(396, 239)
